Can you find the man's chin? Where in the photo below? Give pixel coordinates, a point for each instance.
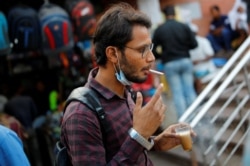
(139, 81)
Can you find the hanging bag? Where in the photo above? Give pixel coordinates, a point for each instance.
(4, 36)
(57, 34)
(82, 15)
(24, 29)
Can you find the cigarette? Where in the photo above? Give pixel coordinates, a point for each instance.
(156, 72)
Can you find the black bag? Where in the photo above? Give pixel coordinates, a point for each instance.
(24, 29)
(83, 18)
(89, 98)
(62, 157)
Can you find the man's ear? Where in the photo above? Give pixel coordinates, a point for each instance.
(112, 54)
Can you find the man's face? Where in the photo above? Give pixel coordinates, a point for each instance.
(137, 58)
(215, 13)
(240, 9)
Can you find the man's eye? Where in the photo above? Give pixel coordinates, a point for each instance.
(142, 49)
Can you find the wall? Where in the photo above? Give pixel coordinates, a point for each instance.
(204, 22)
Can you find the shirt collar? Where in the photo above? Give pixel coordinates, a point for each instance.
(92, 83)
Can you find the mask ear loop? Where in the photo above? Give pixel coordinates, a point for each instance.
(119, 65)
(115, 68)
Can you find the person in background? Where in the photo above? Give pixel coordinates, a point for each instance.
(202, 58)
(11, 149)
(123, 53)
(40, 95)
(248, 12)
(21, 106)
(176, 39)
(238, 21)
(220, 34)
(246, 150)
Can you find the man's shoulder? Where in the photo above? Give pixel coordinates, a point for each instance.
(181, 25)
(169, 24)
(160, 26)
(224, 16)
(201, 38)
(6, 133)
(3, 131)
(76, 108)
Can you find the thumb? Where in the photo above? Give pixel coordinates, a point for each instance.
(139, 100)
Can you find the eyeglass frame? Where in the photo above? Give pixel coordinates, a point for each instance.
(145, 50)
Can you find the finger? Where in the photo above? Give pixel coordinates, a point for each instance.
(171, 135)
(157, 94)
(163, 108)
(183, 124)
(162, 112)
(177, 125)
(193, 133)
(139, 101)
(162, 117)
(159, 102)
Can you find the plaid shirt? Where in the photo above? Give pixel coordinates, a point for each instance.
(82, 134)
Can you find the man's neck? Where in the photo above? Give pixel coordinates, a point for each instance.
(170, 17)
(106, 77)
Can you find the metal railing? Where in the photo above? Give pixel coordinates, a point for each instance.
(223, 106)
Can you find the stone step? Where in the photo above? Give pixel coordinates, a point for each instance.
(225, 114)
(180, 157)
(240, 77)
(177, 157)
(222, 118)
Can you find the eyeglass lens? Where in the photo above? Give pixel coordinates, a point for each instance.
(147, 49)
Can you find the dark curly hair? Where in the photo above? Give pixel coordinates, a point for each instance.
(115, 28)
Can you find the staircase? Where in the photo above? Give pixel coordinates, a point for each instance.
(220, 116)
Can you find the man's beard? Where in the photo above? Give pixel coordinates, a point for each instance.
(129, 71)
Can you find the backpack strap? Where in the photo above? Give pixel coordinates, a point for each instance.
(89, 98)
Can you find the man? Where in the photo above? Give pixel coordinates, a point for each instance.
(11, 149)
(176, 39)
(246, 151)
(21, 106)
(238, 21)
(201, 56)
(123, 51)
(248, 12)
(220, 34)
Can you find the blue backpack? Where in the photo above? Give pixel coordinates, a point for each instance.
(24, 29)
(4, 36)
(57, 33)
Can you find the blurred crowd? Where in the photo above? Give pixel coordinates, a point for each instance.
(189, 61)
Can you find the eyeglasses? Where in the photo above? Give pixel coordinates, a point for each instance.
(143, 50)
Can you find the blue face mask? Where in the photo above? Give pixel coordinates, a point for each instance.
(121, 78)
(120, 75)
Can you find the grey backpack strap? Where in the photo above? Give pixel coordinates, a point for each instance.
(89, 98)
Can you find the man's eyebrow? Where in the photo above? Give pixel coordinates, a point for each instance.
(144, 45)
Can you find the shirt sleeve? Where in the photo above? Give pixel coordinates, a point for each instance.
(192, 43)
(208, 50)
(212, 27)
(85, 143)
(157, 44)
(11, 150)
